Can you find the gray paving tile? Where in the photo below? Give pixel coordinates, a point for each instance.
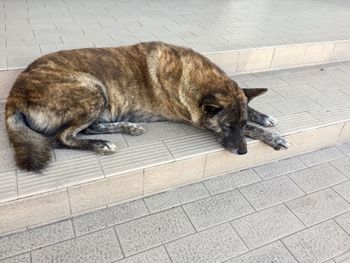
(175, 197)
(344, 147)
(321, 156)
(319, 206)
(8, 186)
(298, 90)
(344, 221)
(24, 258)
(274, 252)
(108, 217)
(295, 105)
(280, 167)
(153, 230)
(155, 255)
(213, 245)
(43, 236)
(343, 165)
(155, 132)
(343, 189)
(332, 114)
(271, 192)
(318, 243)
(231, 181)
(217, 209)
(317, 177)
(100, 246)
(266, 226)
(343, 258)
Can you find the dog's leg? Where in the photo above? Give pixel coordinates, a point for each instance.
(261, 118)
(272, 139)
(115, 127)
(67, 139)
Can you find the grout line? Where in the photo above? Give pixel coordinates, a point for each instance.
(288, 250)
(119, 243)
(167, 253)
(189, 219)
(290, 210)
(241, 238)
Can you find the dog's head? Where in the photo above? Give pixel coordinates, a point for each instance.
(226, 117)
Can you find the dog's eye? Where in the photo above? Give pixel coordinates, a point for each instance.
(227, 126)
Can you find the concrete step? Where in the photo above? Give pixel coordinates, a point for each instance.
(311, 103)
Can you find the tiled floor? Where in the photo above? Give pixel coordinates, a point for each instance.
(168, 142)
(281, 212)
(31, 28)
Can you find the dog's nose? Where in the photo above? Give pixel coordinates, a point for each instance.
(242, 151)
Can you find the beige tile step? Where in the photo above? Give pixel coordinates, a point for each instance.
(172, 154)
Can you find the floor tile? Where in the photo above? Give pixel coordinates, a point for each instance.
(108, 217)
(231, 181)
(271, 192)
(35, 238)
(217, 209)
(153, 230)
(175, 197)
(155, 255)
(213, 245)
(318, 243)
(280, 167)
(100, 246)
(266, 226)
(317, 177)
(274, 252)
(319, 206)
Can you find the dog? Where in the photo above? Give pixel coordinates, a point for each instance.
(108, 90)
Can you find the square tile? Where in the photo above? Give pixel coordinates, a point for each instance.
(100, 246)
(344, 221)
(266, 226)
(213, 245)
(318, 243)
(280, 167)
(319, 206)
(231, 181)
(343, 189)
(151, 231)
(321, 156)
(155, 255)
(217, 209)
(271, 192)
(110, 216)
(35, 238)
(175, 197)
(343, 165)
(274, 252)
(317, 177)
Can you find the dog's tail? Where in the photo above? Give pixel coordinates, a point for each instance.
(33, 151)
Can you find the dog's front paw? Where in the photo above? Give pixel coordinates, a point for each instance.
(134, 129)
(279, 143)
(268, 121)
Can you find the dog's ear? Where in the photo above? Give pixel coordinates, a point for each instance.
(209, 105)
(252, 93)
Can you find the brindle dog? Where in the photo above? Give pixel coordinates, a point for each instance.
(106, 90)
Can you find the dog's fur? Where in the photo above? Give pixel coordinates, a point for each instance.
(105, 90)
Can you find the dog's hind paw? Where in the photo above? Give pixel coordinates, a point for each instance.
(106, 148)
(268, 121)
